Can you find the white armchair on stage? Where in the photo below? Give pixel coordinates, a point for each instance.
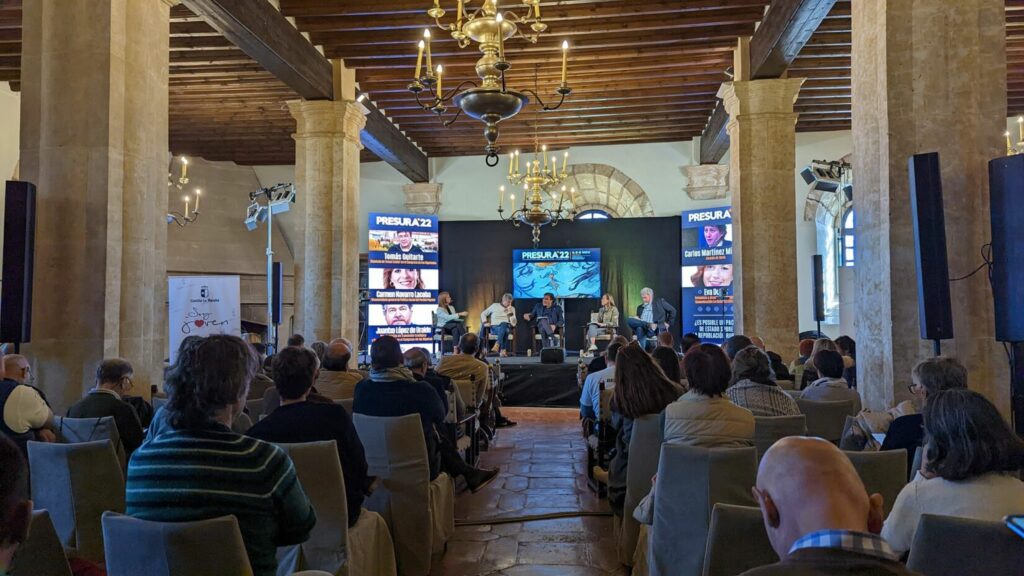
(420, 512)
(364, 549)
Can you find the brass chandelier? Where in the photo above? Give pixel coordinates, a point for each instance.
(491, 101)
(540, 206)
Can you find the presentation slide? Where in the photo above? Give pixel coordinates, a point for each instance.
(707, 273)
(564, 272)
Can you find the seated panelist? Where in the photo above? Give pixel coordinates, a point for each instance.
(607, 321)
(547, 317)
(501, 317)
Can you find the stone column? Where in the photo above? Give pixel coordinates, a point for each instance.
(94, 141)
(423, 197)
(762, 157)
(707, 181)
(327, 255)
(927, 76)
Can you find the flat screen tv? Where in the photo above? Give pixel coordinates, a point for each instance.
(564, 272)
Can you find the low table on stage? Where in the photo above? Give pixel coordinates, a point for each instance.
(530, 383)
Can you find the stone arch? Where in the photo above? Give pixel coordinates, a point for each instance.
(603, 187)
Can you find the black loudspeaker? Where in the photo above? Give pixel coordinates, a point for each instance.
(819, 289)
(552, 356)
(1006, 189)
(19, 249)
(277, 280)
(933, 302)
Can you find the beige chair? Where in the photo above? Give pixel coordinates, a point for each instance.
(882, 472)
(737, 541)
(644, 450)
(601, 440)
(769, 429)
(419, 512)
(347, 404)
(77, 483)
(41, 554)
(77, 430)
(825, 419)
(948, 546)
(255, 407)
(690, 482)
(364, 549)
(467, 390)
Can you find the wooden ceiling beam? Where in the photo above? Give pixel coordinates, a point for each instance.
(418, 8)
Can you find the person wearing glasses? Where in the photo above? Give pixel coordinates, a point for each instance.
(113, 380)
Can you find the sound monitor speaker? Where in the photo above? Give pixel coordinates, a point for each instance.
(933, 301)
(277, 280)
(552, 356)
(819, 289)
(1006, 190)
(19, 248)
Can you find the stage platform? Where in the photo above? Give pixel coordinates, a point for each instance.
(530, 383)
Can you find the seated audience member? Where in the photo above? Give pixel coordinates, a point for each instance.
(15, 510)
(260, 382)
(818, 516)
(703, 417)
(320, 349)
(810, 374)
(667, 340)
(754, 386)
(796, 368)
(297, 420)
(296, 340)
(757, 341)
(465, 366)
(548, 318)
(417, 360)
(607, 321)
(590, 397)
(970, 468)
(689, 341)
(113, 382)
(779, 367)
(641, 388)
(335, 380)
(928, 378)
(449, 320)
(26, 415)
(501, 317)
(734, 344)
(169, 477)
(831, 386)
(600, 362)
(392, 390)
(667, 359)
(848, 348)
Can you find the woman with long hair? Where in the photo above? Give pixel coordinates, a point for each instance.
(403, 279)
(667, 359)
(448, 319)
(712, 276)
(607, 321)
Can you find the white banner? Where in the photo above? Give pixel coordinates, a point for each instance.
(201, 306)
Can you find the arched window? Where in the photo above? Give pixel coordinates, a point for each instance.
(593, 214)
(849, 240)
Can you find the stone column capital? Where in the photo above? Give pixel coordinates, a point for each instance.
(327, 118)
(707, 181)
(770, 96)
(423, 197)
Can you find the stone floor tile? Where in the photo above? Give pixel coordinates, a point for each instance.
(552, 553)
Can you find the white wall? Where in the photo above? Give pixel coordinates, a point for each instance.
(10, 114)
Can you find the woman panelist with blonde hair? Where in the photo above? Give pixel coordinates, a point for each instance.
(607, 321)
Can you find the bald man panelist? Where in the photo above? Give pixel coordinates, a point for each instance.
(817, 514)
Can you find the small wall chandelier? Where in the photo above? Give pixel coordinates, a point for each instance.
(187, 217)
(490, 101)
(1010, 149)
(540, 206)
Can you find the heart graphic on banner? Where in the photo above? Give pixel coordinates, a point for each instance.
(199, 323)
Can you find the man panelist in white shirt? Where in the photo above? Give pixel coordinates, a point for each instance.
(501, 317)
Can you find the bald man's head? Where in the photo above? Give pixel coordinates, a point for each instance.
(339, 352)
(16, 368)
(757, 341)
(807, 484)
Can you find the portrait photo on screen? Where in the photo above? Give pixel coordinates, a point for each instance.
(403, 278)
(708, 276)
(715, 236)
(399, 314)
(403, 242)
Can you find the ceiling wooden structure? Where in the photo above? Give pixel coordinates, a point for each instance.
(642, 71)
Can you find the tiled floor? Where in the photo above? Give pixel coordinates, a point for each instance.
(542, 471)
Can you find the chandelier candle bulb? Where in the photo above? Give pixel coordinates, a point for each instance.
(440, 70)
(186, 205)
(184, 167)
(565, 55)
(501, 36)
(1020, 125)
(501, 197)
(536, 9)
(458, 16)
(517, 162)
(426, 38)
(419, 62)
(1009, 145)
(198, 192)
(565, 162)
(511, 162)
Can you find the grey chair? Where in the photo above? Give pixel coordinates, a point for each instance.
(737, 541)
(78, 430)
(41, 553)
(690, 482)
(882, 472)
(77, 483)
(346, 403)
(159, 402)
(948, 546)
(769, 429)
(825, 419)
(255, 406)
(211, 547)
(644, 451)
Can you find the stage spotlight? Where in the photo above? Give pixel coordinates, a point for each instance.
(807, 175)
(848, 191)
(254, 214)
(283, 202)
(826, 186)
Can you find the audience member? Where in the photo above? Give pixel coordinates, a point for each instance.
(261, 382)
(667, 340)
(641, 388)
(335, 380)
(970, 467)
(417, 360)
(810, 374)
(848, 348)
(831, 385)
(15, 510)
(26, 415)
(464, 365)
(392, 390)
(168, 476)
(113, 382)
(590, 397)
(779, 367)
(796, 368)
(296, 340)
(928, 378)
(703, 417)
(689, 341)
(501, 318)
(320, 349)
(297, 420)
(734, 344)
(600, 362)
(757, 341)
(667, 359)
(754, 386)
(819, 518)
